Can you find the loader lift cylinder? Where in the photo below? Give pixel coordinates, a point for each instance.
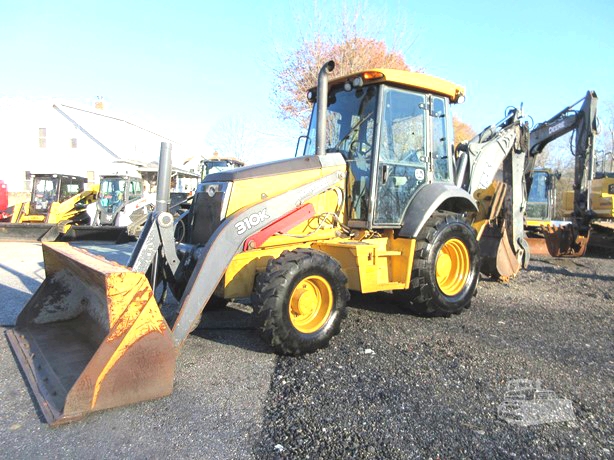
(163, 191)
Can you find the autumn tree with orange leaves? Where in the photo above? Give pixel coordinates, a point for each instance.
(349, 33)
(462, 131)
(301, 71)
(354, 48)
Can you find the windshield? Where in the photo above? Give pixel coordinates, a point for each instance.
(111, 191)
(45, 192)
(539, 188)
(349, 122)
(537, 203)
(213, 166)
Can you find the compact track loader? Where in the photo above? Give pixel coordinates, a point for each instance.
(57, 202)
(380, 201)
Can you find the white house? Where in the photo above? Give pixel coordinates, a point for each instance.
(51, 136)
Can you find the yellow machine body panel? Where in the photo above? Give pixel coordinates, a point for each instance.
(67, 210)
(249, 191)
(602, 199)
(371, 265)
(374, 264)
(241, 272)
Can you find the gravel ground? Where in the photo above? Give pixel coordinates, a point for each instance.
(392, 385)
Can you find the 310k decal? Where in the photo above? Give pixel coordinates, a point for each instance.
(251, 221)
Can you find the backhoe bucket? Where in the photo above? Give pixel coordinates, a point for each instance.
(498, 257)
(537, 245)
(563, 241)
(92, 337)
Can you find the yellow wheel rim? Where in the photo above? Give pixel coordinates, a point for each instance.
(452, 267)
(311, 303)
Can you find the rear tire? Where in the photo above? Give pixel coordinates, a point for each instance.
(300, 299)
(446, 266)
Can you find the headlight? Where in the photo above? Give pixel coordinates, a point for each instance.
(212, 189)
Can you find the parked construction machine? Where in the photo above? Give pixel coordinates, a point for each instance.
(217, 163)
(380, 201)
(120, 210)
(4, 202)
(541, 208)
(589, 198)
(57, 202)
(125, 200)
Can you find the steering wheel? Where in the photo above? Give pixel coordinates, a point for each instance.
(414, 156)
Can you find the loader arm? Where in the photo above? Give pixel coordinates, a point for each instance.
(226, 241)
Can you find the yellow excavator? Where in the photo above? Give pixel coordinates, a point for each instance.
(588, 203)
(379, 201)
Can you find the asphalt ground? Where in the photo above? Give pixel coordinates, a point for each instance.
(391, 385)
(222, 378)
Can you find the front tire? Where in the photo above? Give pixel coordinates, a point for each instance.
(301, 300)
(446, 267)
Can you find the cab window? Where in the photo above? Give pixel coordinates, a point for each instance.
(441, 148)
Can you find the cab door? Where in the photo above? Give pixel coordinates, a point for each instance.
(403, 154)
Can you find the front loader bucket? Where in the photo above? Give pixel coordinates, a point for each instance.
(28, 232)
(92, 337)
(97, 233)
(563, 241)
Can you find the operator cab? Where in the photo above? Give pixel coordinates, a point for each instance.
(394, 128)
(542, 196)
(50, 188)
(115, 193)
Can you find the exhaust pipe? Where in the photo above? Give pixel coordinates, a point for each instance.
(322, 105)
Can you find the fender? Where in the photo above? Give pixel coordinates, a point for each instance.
(430, 198)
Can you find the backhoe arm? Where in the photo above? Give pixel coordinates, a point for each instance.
(501, 147)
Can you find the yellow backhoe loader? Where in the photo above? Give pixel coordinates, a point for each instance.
(379, 201)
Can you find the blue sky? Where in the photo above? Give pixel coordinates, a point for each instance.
(185, 66)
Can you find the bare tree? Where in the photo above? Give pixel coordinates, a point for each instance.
(605, 140)
(229, 137)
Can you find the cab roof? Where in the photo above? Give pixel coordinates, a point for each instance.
(407, 79)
